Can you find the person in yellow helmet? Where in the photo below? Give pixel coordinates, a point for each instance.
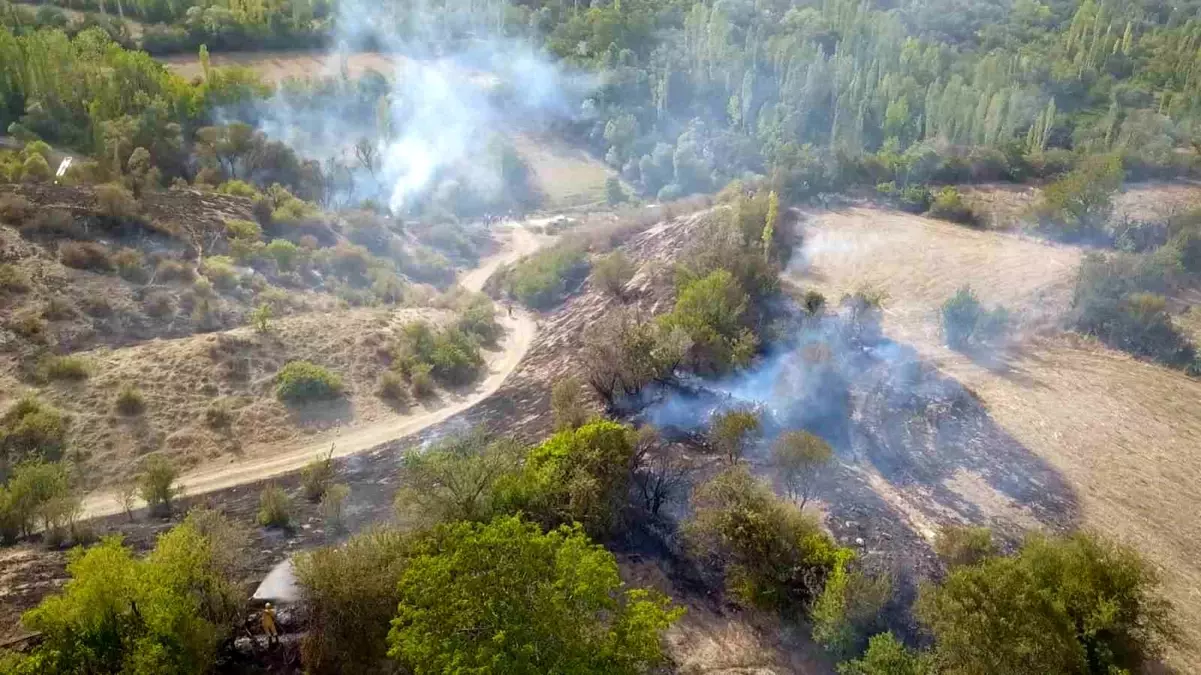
(268, 620)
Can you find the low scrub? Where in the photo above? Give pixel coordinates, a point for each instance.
(86, 255)
(12, 279)
(948, 204)
(612, 272)
(451, 354)
(64, 368)
(317, 476)
(1078, 206)
(15, 209)
(156, 484)
(115, 201)
(392, 388)
(37, 494)
(965, 322)
(301, 381)
(130, 401)
(31, 430)
(544, 279)
(275, 508)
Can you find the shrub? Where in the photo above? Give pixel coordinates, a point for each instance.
(301, 381)
(220, 271)
(15, 209)
(64, 368)
(885, 655)
(238, 188)
(562, 595)
(1024, 613)
(1079, 205)
(129, 264)
(542, 280)
(965, 322)
(732, 431)
(333, 503)
(283, 252)
(799, 458)
(159, 304)
(243, 229)
(85, 255)
(452, 355)
(948, 204)
(174, 270)
(612, 272)
(848, 608)
(52, 223)
(274, 507)
(711, 311)
(349, 594)
(156, 484)
(130, 400)
(567, 404)
(317, 476)
(30, 429)
(957, 546)
(614, 194)
(12, 279)
(391, 388)
(32, 493)
(35, 169)
(420, 380)
(455, 478)
(477, 318)
(116, 202)
(770, 554)
(218, 415)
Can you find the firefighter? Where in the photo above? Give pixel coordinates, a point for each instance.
(268, 620)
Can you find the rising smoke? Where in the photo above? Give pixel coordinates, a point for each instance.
(437, 124)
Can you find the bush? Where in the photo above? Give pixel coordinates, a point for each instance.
(1079, 205)
(220, 271)
(159, 304)
(452, 355)
(769, 553)
(391, 388)
(562, 597)
(130, 400)
(238, 188)
(965, 322)
(948, 204)
(567, 404)
(732, 431)
(218, 415)
(887, 656)
(166, 613)
(30, 429)
(477, 318)
(129, 264)
(957, 546)
(85, 255)
(31, 494)
(349, 594)
(317, 476)
(15, 209)
(174, 270)
(156, 484)
(12, 279)
(243, 229)
(332, 505)
(35, 169)
(612, 272)
(283, 252)
(275, 507)
(420, 381)
(711, 311)
(543, 280)
(64, 368)
(455, 478)
(1024, 613)
(301, 381)
(116, 202)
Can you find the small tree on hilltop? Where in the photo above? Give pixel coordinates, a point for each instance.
(799, 457)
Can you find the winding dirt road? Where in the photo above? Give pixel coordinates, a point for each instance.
(520, 329)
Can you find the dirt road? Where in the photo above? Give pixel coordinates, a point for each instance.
(265, 463)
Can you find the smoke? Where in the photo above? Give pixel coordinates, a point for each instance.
(436, 124)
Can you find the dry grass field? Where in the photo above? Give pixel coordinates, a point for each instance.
(1124, 435)
(277, 66)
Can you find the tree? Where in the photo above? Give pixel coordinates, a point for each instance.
(455, 478)
(614, 194)
(156, 484)
(1072, 605)
(260, 318)
(660, 473)
(964, 545)
(772, 220)
(799, 457)
(710, 311)
(166, 613)
(730, 432)
(567, 404)
(507, 598)
(886, 656)
(612, 272)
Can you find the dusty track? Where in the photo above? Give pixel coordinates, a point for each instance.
(275, 460)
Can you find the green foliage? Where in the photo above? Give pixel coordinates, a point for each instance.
(731, 432)
(391, 387)
(130, 400)
(284, 253)
(1079, 205)
(543, 279)
(275, 508)
(64, 368)
(34, 496)
(848, 608)
(166, 613)
(710, 311)
(130, 264)
(451, 354)
(35, 169)
(507, 598)
(625, 353)
(243, 229)
(1072, 605)
(156, 484)
(260, 318)
(350, 594)
(612, 272)
(238, 188)
(886, 656)
(30, 429)
(317, 476)
(966, 323)
(957, 546)
(455, 478)
(421, 383)
(614, 194)
(220, 271)
(948, 204)
(114, 201)
(567, 404)
(769, 553)
(301, 382)
(799, 458)
(477, 317)
(576, 476)
(12, 279)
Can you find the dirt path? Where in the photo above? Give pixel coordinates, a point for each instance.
(269, 462)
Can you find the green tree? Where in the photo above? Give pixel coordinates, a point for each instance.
(567, 404)
(731, 431)
(1072, 605)
(612, 272)
(710, 311)
(887, 656)
(799, 457)
(507, 598)
(455, 478)
(156, 484)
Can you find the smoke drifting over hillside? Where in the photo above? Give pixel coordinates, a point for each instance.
(433, 127)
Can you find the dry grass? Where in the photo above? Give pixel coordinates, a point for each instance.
(276, 66)
(1125, 435)
(1002, 205)
(567, 176)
